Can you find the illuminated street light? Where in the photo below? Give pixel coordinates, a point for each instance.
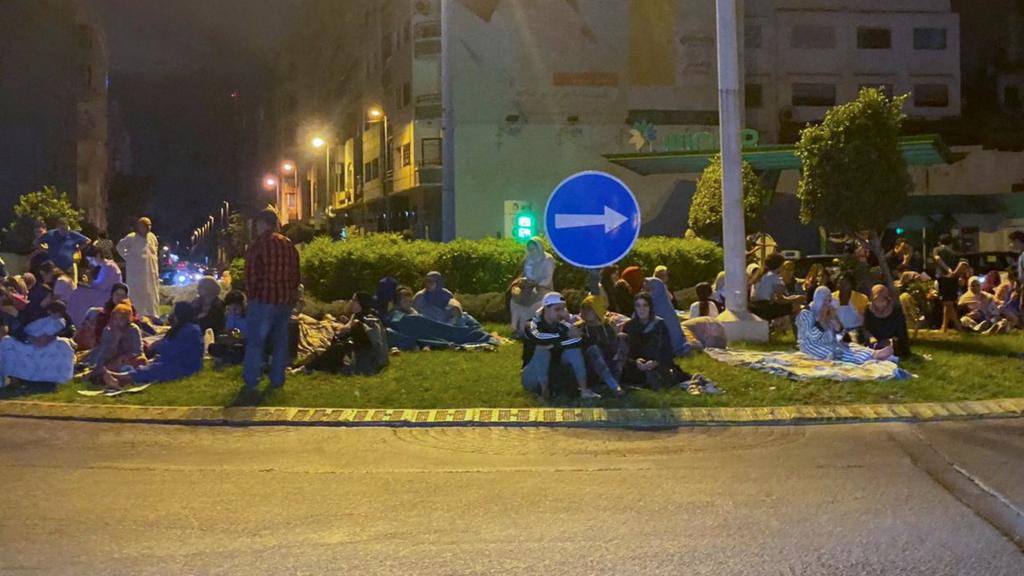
(270, 183)
(288, 167)
(375, 113)
(319, 142)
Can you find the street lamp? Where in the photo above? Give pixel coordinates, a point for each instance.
(318, 143)
(376, 114)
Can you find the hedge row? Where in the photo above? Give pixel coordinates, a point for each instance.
(335, 270)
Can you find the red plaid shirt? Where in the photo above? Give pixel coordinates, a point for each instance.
(272, 270)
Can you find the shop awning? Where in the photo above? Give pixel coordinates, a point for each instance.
(925, 150)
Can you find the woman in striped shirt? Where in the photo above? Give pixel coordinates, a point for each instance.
(817, 327)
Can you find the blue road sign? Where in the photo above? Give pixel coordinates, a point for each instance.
(592, 219)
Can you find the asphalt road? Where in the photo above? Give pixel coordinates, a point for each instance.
(79, 498)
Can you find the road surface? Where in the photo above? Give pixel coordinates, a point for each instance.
(86, 498)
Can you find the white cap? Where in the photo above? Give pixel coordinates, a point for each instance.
(553, 299)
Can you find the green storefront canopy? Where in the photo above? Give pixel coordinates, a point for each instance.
(925, 150)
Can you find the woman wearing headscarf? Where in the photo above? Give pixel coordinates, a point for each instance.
(118, 294)
(649, 361)
(121, 344)
(387, 296)
(209, 307)
(718, 289)
(96, 293)
(179, 354)
(434, 300)
(663, 309)
(602, 348)
(817, 329)
(528, 290)
(633, 276)
(884, 322)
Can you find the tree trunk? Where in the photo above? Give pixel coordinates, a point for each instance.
(876, 247)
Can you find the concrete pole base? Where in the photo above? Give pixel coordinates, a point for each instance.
(743, 327)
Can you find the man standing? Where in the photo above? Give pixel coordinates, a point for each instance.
(61, 245)
(272, 283)
(141, 253)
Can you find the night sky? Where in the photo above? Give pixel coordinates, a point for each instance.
(188, 78)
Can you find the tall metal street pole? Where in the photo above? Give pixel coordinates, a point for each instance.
(738, 322)
(448, 125)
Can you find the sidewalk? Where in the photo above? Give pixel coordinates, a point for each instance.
(536, 417)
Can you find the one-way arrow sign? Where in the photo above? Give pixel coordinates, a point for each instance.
(592, 220)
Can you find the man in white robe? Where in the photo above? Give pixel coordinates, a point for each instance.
(141, 253)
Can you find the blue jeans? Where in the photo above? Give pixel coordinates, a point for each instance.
(267, 323)
(536, 372)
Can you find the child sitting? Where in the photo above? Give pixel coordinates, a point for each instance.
(229, 347)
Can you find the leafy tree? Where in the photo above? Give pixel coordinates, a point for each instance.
(706, 208)
(40, 207)
(854, 178)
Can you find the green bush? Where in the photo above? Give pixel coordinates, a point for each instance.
(237, 270)
(334, 270)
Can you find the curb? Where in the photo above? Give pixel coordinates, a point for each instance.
(534, 417)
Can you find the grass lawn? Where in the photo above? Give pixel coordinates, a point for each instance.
(962, 367)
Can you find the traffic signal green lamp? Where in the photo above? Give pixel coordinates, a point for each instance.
(525, 227)
(900, 231)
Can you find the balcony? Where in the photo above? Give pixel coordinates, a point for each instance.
(428, 107)
(427, 39)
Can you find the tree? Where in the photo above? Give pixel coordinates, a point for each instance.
(37, 208)
(706, 207)
(854, 178)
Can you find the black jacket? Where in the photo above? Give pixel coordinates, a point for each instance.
(541, 333)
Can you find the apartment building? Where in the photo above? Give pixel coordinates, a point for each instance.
(543, 89)
(804, 56)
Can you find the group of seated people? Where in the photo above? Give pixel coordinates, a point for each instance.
(51, 327)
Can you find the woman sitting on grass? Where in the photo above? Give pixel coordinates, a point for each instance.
(980, 311)
(884, 322)
(603, 350)
(704, 307)
(179, 354)
(120, 347)
(817, 329)
(650, 361)
(360, 346)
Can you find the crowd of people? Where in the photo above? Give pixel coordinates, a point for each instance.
(59, 322)
(70, 313)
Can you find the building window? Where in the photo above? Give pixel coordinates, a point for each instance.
(814, 94)
(430, 152)
(406, 154)
(753, 96)
(813, 37)
(931, 95)
(371, 170)
(885, 88)
(874, 38)
(752, 36)
(929, 38)
(406, 94)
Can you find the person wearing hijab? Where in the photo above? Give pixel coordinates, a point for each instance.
(650, 360)
(602, 348)
(387, 296)
(978, 308)
(718, 295)
(884, 322)
(527, 292)
(817, 329)
(664, 309)
(661, 273)
(434, 300)
(121, 344)
(634, 278)
(179, 354)
(118, 294)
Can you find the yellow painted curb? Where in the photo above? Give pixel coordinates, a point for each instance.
(628, 417)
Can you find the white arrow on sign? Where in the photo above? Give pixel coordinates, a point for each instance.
(611, 220)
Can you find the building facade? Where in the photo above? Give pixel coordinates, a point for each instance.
(542, 89)
(53, 104)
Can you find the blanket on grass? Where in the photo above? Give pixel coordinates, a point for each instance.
(800, 366)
